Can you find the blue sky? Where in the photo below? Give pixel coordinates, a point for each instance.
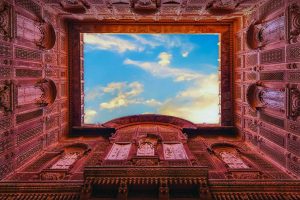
(171, 74)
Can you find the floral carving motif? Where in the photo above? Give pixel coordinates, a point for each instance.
(294, 22)
(6, 20)
(294, 103)
(6, 97)
(145, 6)
(75, 6)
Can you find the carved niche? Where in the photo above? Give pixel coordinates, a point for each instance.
(39, 32)
(261, 97)
(146, 146)
(75, 6)
(6, 20)
(260, 34)
(43, 93)
(294, 23)
(6, 96)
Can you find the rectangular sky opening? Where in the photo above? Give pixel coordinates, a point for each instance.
(168, 74)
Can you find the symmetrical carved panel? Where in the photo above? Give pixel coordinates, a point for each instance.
(6, 21)
(294, 23)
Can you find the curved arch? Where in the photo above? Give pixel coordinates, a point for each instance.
(49, 90)
(48, 38)
(149, 118)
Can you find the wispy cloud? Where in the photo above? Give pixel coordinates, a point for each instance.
(110, 42)
(163, 70)
(89, 116)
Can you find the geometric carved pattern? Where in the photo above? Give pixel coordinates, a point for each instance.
(272, 120)
(27, 54)
(5, 51)
(270, 7)
(293, 52)
(294, 126)
(28, 116)
(30, 5)
(272, 76)
(28, 73)
(272, 56)
(293, 103)
(293, 144)
(272, 136)
(27, 154)
(25, 135)
(5, 72)
(276, 154)
(293, 76)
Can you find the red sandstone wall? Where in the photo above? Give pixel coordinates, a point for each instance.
(25, 130)
(276, 64)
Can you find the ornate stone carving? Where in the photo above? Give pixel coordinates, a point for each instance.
(119, 152)
(75, 6)
(145, 7)
(66, 161)
(294, 103)
(245, 175)
(174, 152)
(6, 20)
(294, 23)
(233, 161)
(222, 7)
(48, 36)
(259, 97)
(6, 97)
(52, 175)
(49, 92)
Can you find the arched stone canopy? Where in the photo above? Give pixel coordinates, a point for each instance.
(147, 118)
(49, 90)
(47, 41)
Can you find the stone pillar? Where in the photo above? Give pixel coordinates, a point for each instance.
(123, 190)
(163, 190)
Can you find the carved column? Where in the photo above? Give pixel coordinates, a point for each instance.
(163, 190)
(204, 192)
(123, 190)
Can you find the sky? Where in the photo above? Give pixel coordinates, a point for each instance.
(169, 74)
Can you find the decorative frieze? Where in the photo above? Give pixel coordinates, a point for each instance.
(272, 76)
(28, 54)
(25, 135)
(279, 122)
(278, 139)
(28, 73)
(293, 53)
(272, 56)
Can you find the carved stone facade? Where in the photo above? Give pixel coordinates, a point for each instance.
(46, 152)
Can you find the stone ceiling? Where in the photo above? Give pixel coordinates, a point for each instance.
(156, 10)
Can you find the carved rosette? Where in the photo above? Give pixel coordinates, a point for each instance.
(6, 20)
(294, 103)
(6, 97)
(294, 23)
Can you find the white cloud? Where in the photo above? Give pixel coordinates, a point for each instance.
(165, 71)
(185, 54)
(110, 42)
(164, 58)
(94, 93)
(89, 116)
(127, 94)
(198, 103)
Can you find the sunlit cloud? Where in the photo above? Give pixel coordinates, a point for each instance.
(89, 116)
(110, 42)
(163, 70)
(125, 95)
(198, 103)
(164, 58)
(93, 93)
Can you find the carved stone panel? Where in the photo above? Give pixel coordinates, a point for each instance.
(119, 152)
(6, 21)
(174, 152)
(294, 23)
